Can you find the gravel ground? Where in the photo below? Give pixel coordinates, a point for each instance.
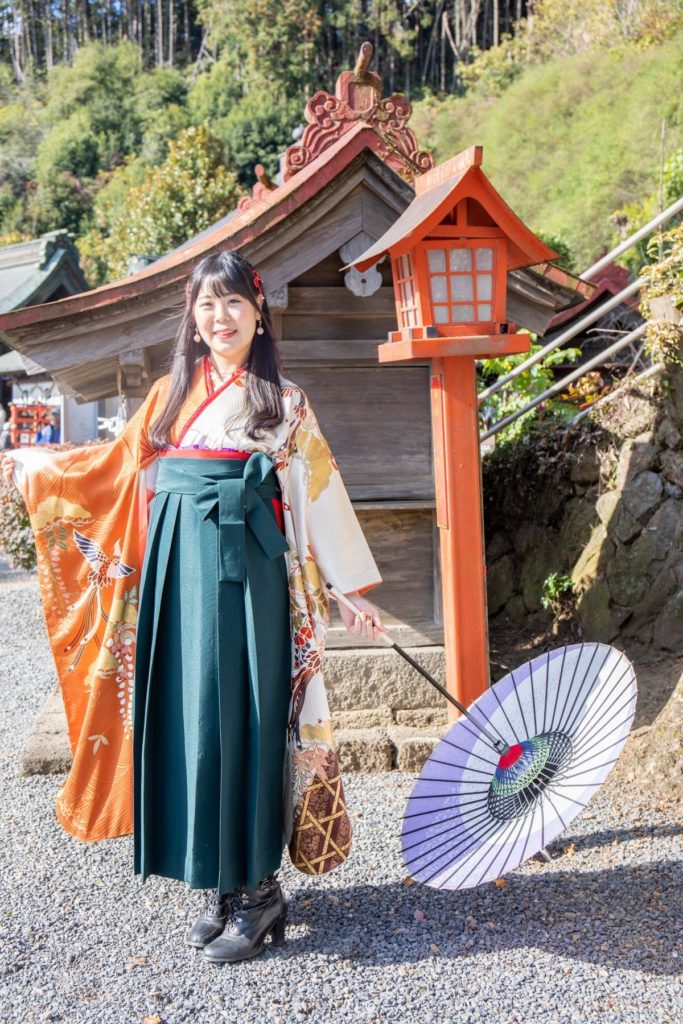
(593, 936)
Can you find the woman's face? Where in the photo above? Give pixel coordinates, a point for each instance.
(227, 324)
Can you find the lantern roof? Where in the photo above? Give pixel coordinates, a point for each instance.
(437, 192)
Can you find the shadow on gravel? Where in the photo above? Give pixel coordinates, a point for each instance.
(608, 837)
(624, 918)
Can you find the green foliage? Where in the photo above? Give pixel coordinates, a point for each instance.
(62, 198)
(490, 72)
(565, 257)
(565, 27)
(257, 130)
(109, 208)
(527, 386)
(187, 193)
(8, 84)
(20, 134)
(664, 278)
(569, 106)
(60, 144)
(214, 93)
(101, 86)
(555, 586)
(268, 43)
(16, 536)
(160, 101)
(13, 238)
(573, 139)
(637, 215)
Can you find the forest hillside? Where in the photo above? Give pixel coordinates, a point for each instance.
(581, 145)
(134, 126)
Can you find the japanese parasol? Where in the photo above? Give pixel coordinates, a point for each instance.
(522, 762)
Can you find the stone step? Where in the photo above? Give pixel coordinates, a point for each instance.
(47, 750)
(369, 689)
(384, 743)
(386, 747)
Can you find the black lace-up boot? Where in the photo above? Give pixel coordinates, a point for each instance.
(213, 920)
(255, 913)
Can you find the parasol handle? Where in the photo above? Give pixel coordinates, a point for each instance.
(499, 746)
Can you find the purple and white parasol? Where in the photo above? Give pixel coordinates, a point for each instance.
(525, 758)
(509, 777)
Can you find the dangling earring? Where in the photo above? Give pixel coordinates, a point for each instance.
(197, 336)
(259, 329)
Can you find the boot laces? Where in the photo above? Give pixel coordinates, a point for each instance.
(221, 905)
(230, 903)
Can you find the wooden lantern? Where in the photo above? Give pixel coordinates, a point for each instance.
(451, 251)
(455, 284)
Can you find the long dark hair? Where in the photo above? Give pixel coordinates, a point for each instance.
(224, 273)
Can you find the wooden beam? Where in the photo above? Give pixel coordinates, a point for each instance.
(332, 352)
(135, 366)
(340, 302)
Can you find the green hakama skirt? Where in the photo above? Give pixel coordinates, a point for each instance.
(212, 675)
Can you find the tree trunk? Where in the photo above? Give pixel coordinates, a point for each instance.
(47, 14)
(442, 76)
(171, 32)
(17, 62)
(186, 31)
(34, 42)
(160, 34)
(67, 32)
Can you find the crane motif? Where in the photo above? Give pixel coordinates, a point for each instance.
(103, 571)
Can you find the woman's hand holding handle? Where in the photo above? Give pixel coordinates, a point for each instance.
(360, 616)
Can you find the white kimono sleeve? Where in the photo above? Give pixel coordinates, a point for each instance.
(317, 495)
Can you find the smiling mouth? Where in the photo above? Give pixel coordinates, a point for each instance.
(224, 334)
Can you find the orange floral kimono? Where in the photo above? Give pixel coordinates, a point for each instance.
(88, 508)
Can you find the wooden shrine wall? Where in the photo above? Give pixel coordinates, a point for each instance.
(377, 422)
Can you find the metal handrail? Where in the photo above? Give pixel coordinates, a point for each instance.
(636, 237)
(655, 222)
(624, 384)
(561, 339)
(550, 392)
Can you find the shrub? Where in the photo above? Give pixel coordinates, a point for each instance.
(16, 536)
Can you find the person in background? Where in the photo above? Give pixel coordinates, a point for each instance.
(47, 433)
(6, 443)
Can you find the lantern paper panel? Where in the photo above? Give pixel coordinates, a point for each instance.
(404, 278)
(461, 280)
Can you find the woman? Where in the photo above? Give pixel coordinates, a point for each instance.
(221, 510)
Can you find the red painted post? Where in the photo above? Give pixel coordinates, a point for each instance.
(461, 529)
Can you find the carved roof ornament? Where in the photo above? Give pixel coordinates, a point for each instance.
(357, 99)
(260, 189)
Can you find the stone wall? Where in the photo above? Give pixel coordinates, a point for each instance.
(602, 503)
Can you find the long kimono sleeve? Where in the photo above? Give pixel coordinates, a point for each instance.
(322, 508)
(326, 544)
(87, 508)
